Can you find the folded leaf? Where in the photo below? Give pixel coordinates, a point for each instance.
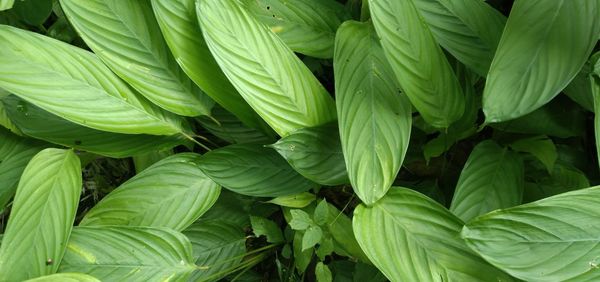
(469, 29)
(493, 178)
(89, 93)
(315, 153)
(374, 118)
(543, 46)
(37, 123)
(409, 237)
(276, 84)
(253, 170)
(15, 153)
(129, 254)
(306, 26)
(419, 63)
(42, 216)
(179, 25)
(171, 193)
(554, 239)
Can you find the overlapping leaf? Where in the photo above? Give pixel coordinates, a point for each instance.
(554, 239)
(172, 193)
(15, 153)
(253, 170)
(126, 36)
(231, 129)
(4, 120)
(579, 90)
(42, 216)
(179, 24)
(65, 277)
(306, 26)
(491, 179)
(469, 29)
(418, 62)
(410, 237)
(278, 86)
(542, 48)
(129, 254)
(77, 87)
(217, 247)
(35, 122)
(374, 118)
(316, 154)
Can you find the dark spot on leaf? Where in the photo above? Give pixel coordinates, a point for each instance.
(268, 7)
(77, 142)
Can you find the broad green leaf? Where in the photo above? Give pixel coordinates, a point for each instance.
(410, 237)
(315, 153)
(217, 246)
(126, 36)
(253, 170)
(322, 273)
(311, 237)
(122, 253)
(276, 84)
(306, 26)
(89, 93)
(554, 239)
(418, 61)
(65, 277)
(374, 118)
(543, 46)
(33, 12)
(143, 161)
(229, 128)
(493, 178)
(469, 29)
(262, 226)
(340, 228)
(172, 193)
(230, 208)
(302, 258)
(294, 201)
(321, 214)
(300, 220)
(38, 123)
(579, 90)
(42, 216)
(560, 118)
(562, 179)
(179, 25)
(6, 4)
(15, 153)
(541, 147)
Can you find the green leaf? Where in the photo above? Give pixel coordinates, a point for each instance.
(300, 220)
(340, 228)
(469, 29)
(580, 90)
(541, 147)
(312, 236)
(65, 277)
(323, 273)
(217, 246)
(229, 128)
(374, 119)
(33, 12)
(38, 123)
(493, 178)
(418, 62)
(122, 253)
(172, 193)
(306, 26)
(15, 153)
(276, 84)
(410, 237)
(5, 121)
(315, 153)
(302, 258)
(595, 81)
(89, 93)
(554, 239)
(253, 170)
(326, 248)
(543, 46)
(294, 201)
(42, 216)
(179, 25)
(6, 4)
(564, 178)
(230, 208)
(268, 228)
(143, 161)
(126, 36)
(321, 214)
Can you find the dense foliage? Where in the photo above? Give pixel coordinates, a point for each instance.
(299, 140)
